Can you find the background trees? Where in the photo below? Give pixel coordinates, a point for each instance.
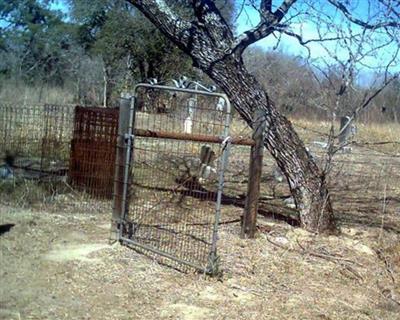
(35, 42)
(90, 50)
(130, 48)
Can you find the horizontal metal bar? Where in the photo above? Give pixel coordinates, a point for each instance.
(164, 254)
(191, 137)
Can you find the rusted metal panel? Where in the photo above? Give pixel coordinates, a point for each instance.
(92, 161)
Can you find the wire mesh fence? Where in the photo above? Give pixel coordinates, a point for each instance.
(365, 177)
(365, 186)
(61, 150)
(36, 138)
(175, 182)
(177, 176)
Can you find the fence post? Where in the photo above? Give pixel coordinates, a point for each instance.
(253, 187)
(120, 205)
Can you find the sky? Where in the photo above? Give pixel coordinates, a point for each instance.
(249, 17)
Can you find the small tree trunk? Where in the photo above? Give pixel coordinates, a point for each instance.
(78, 90)
(345, 130)
(306, 182)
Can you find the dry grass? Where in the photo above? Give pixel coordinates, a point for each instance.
(375, 134)
(21, 93)
(380, 137)
(66, 270)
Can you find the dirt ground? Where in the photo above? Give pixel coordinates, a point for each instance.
(60, 265)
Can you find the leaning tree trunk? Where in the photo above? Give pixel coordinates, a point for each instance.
(214, 49)
(306, 182)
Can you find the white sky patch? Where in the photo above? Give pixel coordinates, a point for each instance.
(59, 5)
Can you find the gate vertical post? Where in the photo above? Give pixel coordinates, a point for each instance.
(120, 204)
(253, 187)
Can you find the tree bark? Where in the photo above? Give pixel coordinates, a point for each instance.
(215, 50)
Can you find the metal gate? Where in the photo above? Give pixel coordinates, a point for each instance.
(176, 150)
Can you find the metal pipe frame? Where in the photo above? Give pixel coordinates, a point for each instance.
(225, 142)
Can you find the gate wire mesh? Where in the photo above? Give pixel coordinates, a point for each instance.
(37, 137)
(92, 161)
(173, 192)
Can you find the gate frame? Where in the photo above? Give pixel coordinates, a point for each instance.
(124, 159)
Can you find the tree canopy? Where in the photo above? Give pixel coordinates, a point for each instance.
(80, 45)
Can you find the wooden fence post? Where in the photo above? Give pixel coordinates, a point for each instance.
(253, 188)
(119, 205)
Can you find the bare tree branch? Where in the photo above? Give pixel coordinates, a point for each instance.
(266, 6)
(346, 12)
(283, 9)
(268, 22)
(367, 101)
(305, 42)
